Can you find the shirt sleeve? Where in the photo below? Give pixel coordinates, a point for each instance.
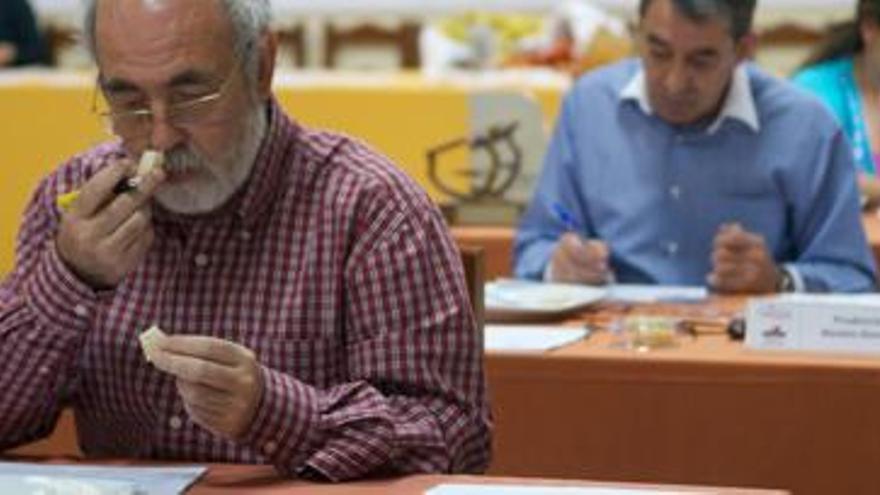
(539, 230)
(832, 249)
(416, 399)
(44, 312)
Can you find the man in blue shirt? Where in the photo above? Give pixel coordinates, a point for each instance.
(689, 166)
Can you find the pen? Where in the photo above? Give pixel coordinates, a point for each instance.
(123, 186)
(565, 216)
(149, 160)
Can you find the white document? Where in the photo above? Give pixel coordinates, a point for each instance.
(636, 293)
(531, 338)
(57, 479)
(454, 489)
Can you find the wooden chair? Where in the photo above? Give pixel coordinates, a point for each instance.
(58, 39)
(61, 443)
(473, 260)
(789, 34)
(292, 42)
(404, 38)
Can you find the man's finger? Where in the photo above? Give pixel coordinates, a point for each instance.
(99, 189)
(737, 240)
(123, 206)
(207, 348)
(193, 369)
(204, 396)
(133, 230)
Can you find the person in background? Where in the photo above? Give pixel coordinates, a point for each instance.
(844, 72)
(317, 314)
(20, 39)
(691, 166)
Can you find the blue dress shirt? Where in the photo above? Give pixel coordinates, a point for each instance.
(658, 193)
(834, 82)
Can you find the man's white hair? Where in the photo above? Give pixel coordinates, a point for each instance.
(250, 19)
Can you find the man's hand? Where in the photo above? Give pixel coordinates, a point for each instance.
(104, 236)
(219, 381)
(580, 261)
(7, 53)
(741, 262)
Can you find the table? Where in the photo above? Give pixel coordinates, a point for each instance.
(260, 479)
(706, 412)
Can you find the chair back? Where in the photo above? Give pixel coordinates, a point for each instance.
(474, 263)
(404, 38)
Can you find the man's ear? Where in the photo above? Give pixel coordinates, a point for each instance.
(746, 47)
(869, 31)
(267, 52)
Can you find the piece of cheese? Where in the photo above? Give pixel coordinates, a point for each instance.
(150, 341)
(149, 160)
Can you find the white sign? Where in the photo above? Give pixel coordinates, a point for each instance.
(831, 323)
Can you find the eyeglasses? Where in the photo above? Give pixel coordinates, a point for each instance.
(138, 122)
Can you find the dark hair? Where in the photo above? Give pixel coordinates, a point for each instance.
(737, 13)
(845, 38)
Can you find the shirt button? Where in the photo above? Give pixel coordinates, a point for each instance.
(245, 235)
(270, 448)
(44, 370)
(675, 192)
(175, 422)
(672, 248)
(201, 260)
(81, 311)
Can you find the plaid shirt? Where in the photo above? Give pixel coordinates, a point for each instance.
(330, 264)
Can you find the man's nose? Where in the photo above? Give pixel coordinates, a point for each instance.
(164, 135)
(677, 79)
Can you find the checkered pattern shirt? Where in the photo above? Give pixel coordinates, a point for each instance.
(330, 264)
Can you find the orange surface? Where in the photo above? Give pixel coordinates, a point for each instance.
(708, 411)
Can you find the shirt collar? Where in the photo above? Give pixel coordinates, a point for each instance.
(739, 104)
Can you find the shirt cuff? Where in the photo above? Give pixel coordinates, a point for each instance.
(548, 272)
(285, 429)
(796, 277)
(58, 297)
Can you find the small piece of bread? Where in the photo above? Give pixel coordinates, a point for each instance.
(150, 341)
(149, 160)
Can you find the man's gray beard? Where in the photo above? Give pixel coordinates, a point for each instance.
(226, 176)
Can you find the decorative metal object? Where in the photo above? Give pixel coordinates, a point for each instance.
(489, 184)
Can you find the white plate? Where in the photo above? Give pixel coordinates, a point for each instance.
(509, 298)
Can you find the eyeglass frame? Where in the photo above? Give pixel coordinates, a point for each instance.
(109, 116)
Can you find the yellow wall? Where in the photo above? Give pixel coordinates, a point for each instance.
(45, 119)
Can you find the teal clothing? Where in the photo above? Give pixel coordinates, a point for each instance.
(834, 82)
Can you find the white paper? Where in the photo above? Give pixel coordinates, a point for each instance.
(97, 480)
(531, 338)
(462, 489)
(59, 485)
(636, 293)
